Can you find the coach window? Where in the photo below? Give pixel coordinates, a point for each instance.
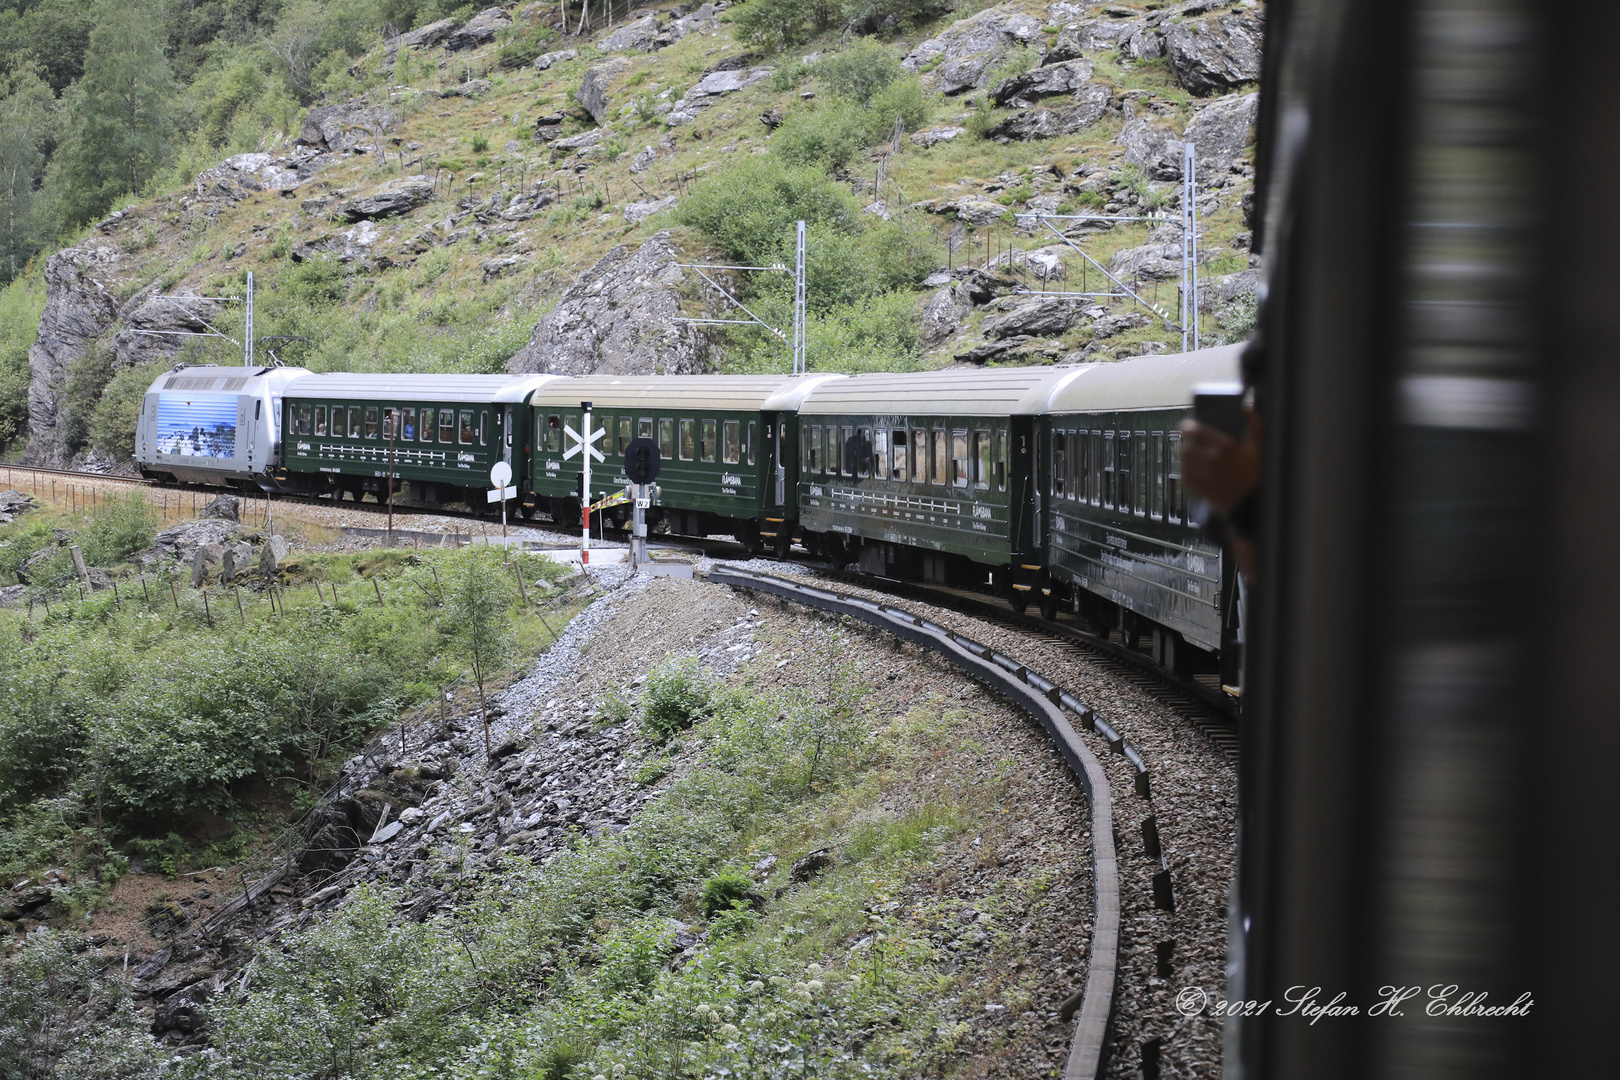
(1172, 479)
(1001, 459)
(751, 442)
(707, 444)
(959, 459)
(1060, 463)
(688, 440)
(1139, 469)
(898, 465)
(353, 425)
(880, 453)
(983, 460)
(388, 423)
(466, 427)
(731, 446)
(1110, 469)
(447, 425)
(666, 439)
(644, 428)
(627, 431)
(861, 451)
(483, 428)
(320, 419)
(942, 458)
(1156, 471)
(304, 421)
(812, 449)
(371, 422)
(1122, 497)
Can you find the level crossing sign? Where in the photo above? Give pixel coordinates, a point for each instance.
(583, 443)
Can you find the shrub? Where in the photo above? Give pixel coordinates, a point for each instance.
(860, 71)
(62, 1014)
(871, 15)
(724, 891)
(480, 144)
(319, 282)
(87, 376)
(20, 305)
(521, 50)
(679, 693)
(776, 24)
(749, 210)
(824, 138)
(118, 527)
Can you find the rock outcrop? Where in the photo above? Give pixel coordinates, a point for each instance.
(1210, 55)
(1044, 317)
(184, 312)
(1220, 133)
(713, 85)
(338, 127)
(618, 319)
(968, 48)
(1049, 80)
(635, 36)
(1152, 146)
(237, 176)
(78, 309)
(395, 197)
(593, 89)
(479, 30)
(1090, 105)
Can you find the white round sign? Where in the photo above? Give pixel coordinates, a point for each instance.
(500, 474)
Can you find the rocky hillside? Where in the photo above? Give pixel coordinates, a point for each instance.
(508, 192)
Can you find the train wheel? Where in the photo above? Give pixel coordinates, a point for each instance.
(783, 542)
(1049, 593)
(1018, 600)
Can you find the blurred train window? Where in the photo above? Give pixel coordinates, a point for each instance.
(1110, 470)
(942, 460)
(1156, 471)
(1172, 480)
(901, 470)
(320, 419)
(371, 422)
(447, 425)
(305, 420)
(861, 451)
(880, 453)
(407, 425)
(1123, 477)
(388, 423)
(731, 442)
(1060, 463)
(983, 463)
(666, 439)
(708, 446)
(846, 451)
(483, 428)
(354, 424)
(959, 459)
(426, 431)
(550, 437)
(812, 449)
(627, 431)
(919, 456)
(466, 427)
(1001, 460)
(1094, 468)
(688, 440)
(644, 428)
(751, 443)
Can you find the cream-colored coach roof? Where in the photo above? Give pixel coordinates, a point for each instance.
(1148, 382)
(405, 388)
(957, 391)
(720, 393)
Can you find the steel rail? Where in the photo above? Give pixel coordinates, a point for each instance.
(1043, 700)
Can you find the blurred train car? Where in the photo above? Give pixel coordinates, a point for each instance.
(1431, 740)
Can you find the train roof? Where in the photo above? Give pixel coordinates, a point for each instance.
(1148, 382)
(956, 391)
(405, 388)
(730, 393)
(205, 377)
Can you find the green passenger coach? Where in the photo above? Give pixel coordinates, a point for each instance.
(726, 443)
(927, 475)
(351, 434)
(1122, 549)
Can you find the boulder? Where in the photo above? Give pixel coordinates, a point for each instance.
(183, 311)
(180, 543)
(1097, 35)
(1214, 54)
(637, 212)
(943, 314)
(1220, 134)
(701, 19)
(274, 553)
(1044, 317)
(502, 265)
(16, 502)
(184, 1010)
(423, 37)
(716, 83)
(593, 89)
(969, 47)
(338, 127)
(1109, 325)
(976, 211)
(545, 60)
(472, 88)
(13, 596)
(812, 864)
(478, 30)
(1023, 89)
(223, 507)
(1091, 103)
(644, 159)
(637, 36)
(395, 197)
(242, 174)
(935, 135)
(32, 566)
(618, 319)
(1153, 147)
(1157, 260)
(1216, 292)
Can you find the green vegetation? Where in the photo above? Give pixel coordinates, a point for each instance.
(20, 305)
(122, 717)
(678, 694)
